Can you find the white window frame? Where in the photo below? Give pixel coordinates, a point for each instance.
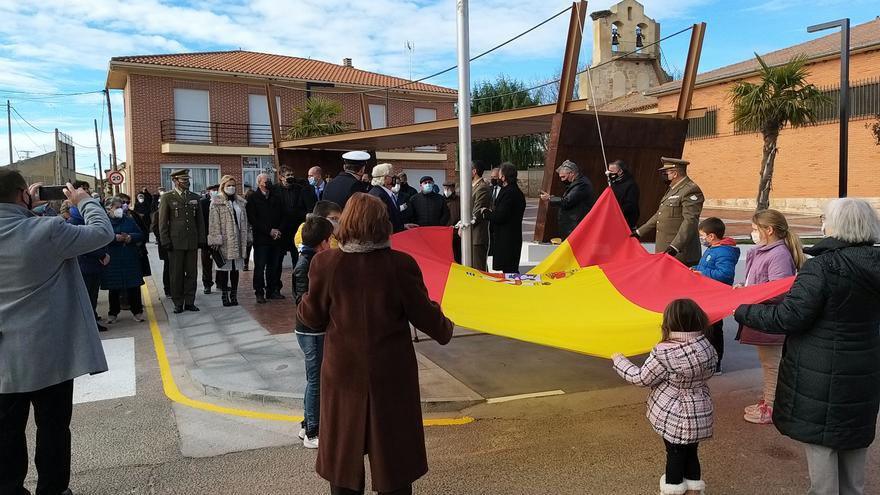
(192, 131)
(417, 120)
(165, 178)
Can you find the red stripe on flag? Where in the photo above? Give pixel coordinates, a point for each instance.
(431, 247)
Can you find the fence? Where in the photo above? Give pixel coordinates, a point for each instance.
(705, 126)
(217, 133)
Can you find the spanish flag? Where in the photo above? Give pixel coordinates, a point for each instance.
(598, 293)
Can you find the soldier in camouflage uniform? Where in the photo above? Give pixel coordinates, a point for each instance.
(181, 230)
(678, 216)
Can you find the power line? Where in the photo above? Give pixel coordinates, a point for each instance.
(33, 93)
(28, 123)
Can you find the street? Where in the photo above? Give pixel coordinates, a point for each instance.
(592, 439)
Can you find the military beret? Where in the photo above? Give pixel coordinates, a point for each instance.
(180, 173)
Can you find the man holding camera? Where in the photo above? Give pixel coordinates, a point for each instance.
(48, 333)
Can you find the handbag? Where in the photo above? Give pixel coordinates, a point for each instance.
(218, 257)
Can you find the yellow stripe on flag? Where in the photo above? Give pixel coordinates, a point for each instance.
(560, 260)
(580, 312)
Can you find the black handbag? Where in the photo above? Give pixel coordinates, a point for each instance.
(218, 257)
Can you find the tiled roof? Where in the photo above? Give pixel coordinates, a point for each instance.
(629, 103)
(861, 36)
(282, 66)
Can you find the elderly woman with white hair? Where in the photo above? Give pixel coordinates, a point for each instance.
(828, 393)
(385, 187)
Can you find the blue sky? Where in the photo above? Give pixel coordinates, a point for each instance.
(53, 48)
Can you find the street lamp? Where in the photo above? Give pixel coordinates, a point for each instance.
(843, 24)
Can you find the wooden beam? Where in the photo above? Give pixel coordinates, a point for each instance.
(572, 51)
(365, 113)
(690, 71)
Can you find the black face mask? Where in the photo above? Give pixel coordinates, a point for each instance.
(495, 182)
(289, 180)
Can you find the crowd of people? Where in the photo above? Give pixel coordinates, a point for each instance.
(818, 345)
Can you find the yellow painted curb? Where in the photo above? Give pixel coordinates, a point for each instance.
(174, 393)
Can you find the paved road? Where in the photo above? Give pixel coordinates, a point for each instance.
(587, 441)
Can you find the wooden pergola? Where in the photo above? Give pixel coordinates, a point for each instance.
(573, 128)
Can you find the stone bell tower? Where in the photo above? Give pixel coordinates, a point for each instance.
(623, 62)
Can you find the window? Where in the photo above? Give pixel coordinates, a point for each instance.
(705, 126)
(192, 111)
(200, 176)
(252, 166)
(259, 132)
(425, 115)
(378, 116)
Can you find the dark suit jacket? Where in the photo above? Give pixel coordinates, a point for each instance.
(393, 209)
(264, 214)
(506, 232)
(342, 187)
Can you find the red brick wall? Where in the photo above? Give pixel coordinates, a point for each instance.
(149, 99)
(727, 166)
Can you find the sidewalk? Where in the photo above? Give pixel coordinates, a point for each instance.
(250, 351)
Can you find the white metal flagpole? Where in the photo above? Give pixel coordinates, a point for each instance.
(464, 129)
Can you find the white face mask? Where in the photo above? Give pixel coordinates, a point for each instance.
(395, 188)
(756, 237)
(229, 190)
(117, 213)
(447, 193)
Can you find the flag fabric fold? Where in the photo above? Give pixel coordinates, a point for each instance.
(597, 293)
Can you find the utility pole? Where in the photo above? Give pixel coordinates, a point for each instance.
(464, 128)
(98, 145)
(113, 165)
(9, 127)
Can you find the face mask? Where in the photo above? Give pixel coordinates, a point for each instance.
(118, 213)
(229, 190)
(214, 194)
(289, 180)
(495, 182)
(427, 188)
(756, 237)
(395, 188)
(447, 193)
(313, 181)
(124, 207)
(705, 242)
(140, 199)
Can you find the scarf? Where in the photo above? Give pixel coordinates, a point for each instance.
(363, 247)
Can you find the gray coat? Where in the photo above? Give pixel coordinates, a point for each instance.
(48, 333)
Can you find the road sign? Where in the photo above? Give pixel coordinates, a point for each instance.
(115, 178)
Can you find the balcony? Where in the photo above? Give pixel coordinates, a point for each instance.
(216, 138)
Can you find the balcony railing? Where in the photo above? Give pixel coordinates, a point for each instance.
(217, 133)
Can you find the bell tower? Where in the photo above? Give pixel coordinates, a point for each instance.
(625, 58)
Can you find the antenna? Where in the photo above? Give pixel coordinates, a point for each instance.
(410, 46)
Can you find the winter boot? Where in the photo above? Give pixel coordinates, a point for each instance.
(225, 298)
(233, 298)
(667, 489)
(695, 487)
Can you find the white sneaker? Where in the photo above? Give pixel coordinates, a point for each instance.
(111, 319)
(138, 317)
(310, 443)
(302, 434)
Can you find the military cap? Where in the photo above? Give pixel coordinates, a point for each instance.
(672, 163)
(356, 156)
(180, 173)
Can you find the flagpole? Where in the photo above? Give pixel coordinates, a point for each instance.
(464, 128)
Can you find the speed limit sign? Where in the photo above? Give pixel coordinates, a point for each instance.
(115, 178)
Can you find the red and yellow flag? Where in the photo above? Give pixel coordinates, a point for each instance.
(598, 293)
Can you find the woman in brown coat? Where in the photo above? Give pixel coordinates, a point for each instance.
(369, 379)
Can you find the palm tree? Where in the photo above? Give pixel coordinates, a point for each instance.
(319, 117)
(781, 98)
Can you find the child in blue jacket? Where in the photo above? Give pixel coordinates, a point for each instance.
(718, 263)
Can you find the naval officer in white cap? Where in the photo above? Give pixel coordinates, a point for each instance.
(348, 182)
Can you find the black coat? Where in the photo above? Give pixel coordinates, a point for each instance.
(406, 193)
(393, 209)
(301, 283)
(293, 212)
(342, 187)
(264, 214)
(505, 229)
(206, 206)
(627, 193)
(828, 391)
(574, 204)
(427, 210)
(308, 198)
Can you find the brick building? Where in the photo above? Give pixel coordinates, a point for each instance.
(726, 161)
(209, 112)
